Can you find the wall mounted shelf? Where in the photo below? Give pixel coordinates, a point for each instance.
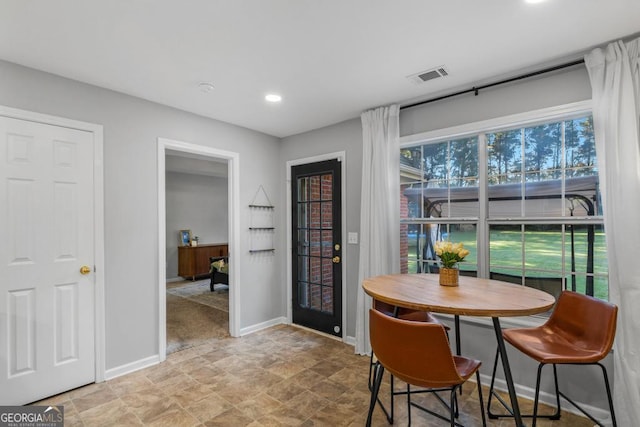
(261, 229)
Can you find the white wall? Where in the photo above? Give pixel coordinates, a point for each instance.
(198, 203)
(131, 129)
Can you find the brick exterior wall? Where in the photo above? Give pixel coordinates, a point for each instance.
(321, 242)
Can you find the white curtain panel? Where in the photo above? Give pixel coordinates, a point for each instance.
(615, 80)
(379, 208)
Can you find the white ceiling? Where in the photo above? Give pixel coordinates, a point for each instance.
(329, 59)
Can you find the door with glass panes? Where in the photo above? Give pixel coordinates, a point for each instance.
(317, 246)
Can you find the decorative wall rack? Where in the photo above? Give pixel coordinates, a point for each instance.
(261, 227)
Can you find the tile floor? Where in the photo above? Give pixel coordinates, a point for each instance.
(281, 376)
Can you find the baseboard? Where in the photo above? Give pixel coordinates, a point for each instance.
(131, 367)
(324, 334)
(264, 325)
(350, 340)
(547, 398)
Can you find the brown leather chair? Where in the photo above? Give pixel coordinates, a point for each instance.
(405, 314)
(419, 354)
(580, 331)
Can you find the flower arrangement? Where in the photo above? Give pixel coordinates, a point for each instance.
(450, 253)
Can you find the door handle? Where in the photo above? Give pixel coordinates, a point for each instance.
(336, 259)
(85, 269)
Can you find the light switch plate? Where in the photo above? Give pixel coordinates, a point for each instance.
(352, 238)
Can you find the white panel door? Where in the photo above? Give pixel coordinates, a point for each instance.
(47, 235)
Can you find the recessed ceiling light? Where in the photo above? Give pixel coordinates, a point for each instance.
(206, 87)
(272, 97)
(534, 1)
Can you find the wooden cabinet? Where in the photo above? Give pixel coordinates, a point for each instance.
(193, 261)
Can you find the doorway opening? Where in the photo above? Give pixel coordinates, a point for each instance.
(197, 233)
(180, 165)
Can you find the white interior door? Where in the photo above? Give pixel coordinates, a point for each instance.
(47, 236)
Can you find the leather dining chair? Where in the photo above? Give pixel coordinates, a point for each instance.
(405, 314)
(579, 331)
(418, 353)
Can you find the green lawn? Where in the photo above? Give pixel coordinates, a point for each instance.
(542, 255)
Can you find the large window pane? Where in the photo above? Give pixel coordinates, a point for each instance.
(411, 200)
(468, 236)
(543, 218)
(463, 162)
(409, 248)
(420, 238)
(542, 198)
(505, 248)
(504, 156)
(542, 250)
(543, 152)
(586, 259)
(450, 189)
(435, 161)
(580, 147)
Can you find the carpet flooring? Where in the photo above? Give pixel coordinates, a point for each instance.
(200, 292)
(195, 315)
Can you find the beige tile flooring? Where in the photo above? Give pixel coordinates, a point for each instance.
(281, 376)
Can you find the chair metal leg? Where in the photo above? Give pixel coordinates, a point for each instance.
(492, 394)
(606, 384)
(537, 395)
(452, 402)
(378, 371)
(409, 402)
(609, 398)
(370, 385)
(391, 398)
(556, 416)
(372, 376)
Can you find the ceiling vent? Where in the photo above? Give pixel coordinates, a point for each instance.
(425, 76)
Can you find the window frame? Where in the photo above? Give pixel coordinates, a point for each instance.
(480, 129)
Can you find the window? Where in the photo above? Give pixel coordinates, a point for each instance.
(523, 198)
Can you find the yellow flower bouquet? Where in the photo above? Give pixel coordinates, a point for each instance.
(450, 253)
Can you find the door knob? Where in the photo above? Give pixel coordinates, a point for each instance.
(336, 259)
(85, 269)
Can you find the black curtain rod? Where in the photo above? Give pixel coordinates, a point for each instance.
(475, 89)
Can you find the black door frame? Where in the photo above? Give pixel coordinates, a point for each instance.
(340, 157)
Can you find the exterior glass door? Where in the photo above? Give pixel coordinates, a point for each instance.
(317, 246)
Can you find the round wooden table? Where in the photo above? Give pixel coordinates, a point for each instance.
(473, 297)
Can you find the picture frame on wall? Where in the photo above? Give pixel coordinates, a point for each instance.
(185, 237)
